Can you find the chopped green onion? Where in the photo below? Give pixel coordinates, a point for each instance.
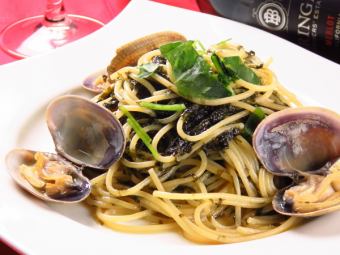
(224, 76)
(223, 43)
(218, 64)
(162, 107)
(144, 137)
(139, 131)
(253, 120)
(199, 47)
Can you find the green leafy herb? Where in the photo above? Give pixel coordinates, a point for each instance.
(193, 76)
(146, 70)
(223, 74)
(253, 120)
(162, 107)
(238, 69)
(139, 131)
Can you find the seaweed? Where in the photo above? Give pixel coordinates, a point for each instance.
(198, 118)
(221, 142)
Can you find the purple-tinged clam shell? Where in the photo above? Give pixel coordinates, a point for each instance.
(297, 140)
(84, 132)
(85, 135)
(304, 144)
(49, 186)
(95, 82)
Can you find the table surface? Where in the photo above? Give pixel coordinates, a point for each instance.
(103, 10)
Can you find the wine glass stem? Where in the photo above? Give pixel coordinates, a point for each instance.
(54, 11)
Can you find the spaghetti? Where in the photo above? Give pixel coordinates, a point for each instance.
(194, 171)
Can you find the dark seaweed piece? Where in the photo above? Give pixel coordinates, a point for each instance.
(222, 141)
(111, 105)
(178, 146)
(159, 60)
(221, 112)
(199, 118)
(164, 75)
(163, 114)
(142, 92)
(193, 115)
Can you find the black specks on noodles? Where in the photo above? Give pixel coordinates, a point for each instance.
(159, 60)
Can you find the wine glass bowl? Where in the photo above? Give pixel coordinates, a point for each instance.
(39, 34)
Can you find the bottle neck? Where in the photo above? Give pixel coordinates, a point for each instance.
(54, 11)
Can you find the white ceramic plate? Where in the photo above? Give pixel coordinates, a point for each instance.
(28, 85)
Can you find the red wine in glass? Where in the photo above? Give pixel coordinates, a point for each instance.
(39, 34)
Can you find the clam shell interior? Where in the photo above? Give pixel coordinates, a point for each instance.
(18, 157)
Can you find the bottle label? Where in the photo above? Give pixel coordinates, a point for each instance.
(313, 24)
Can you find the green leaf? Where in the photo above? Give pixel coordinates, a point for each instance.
(146, 70)
(163, 107)
(193, 75)
(181, 55)
(237, 68)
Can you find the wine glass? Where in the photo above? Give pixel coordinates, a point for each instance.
(38, 34)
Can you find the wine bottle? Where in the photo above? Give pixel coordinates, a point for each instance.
(312, 24)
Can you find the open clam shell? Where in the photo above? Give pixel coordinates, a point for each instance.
(85, 135)
(76, 192)
(128, 54)
(304, 144)
(284, 207)
(84, 132)
(297, 140)
(95, 81)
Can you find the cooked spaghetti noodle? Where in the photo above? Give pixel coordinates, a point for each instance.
(203, 177)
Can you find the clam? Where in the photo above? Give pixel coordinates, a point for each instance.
(303, 144)
(85, 136)
(56, 181)
(96, 82)
(128, 54)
